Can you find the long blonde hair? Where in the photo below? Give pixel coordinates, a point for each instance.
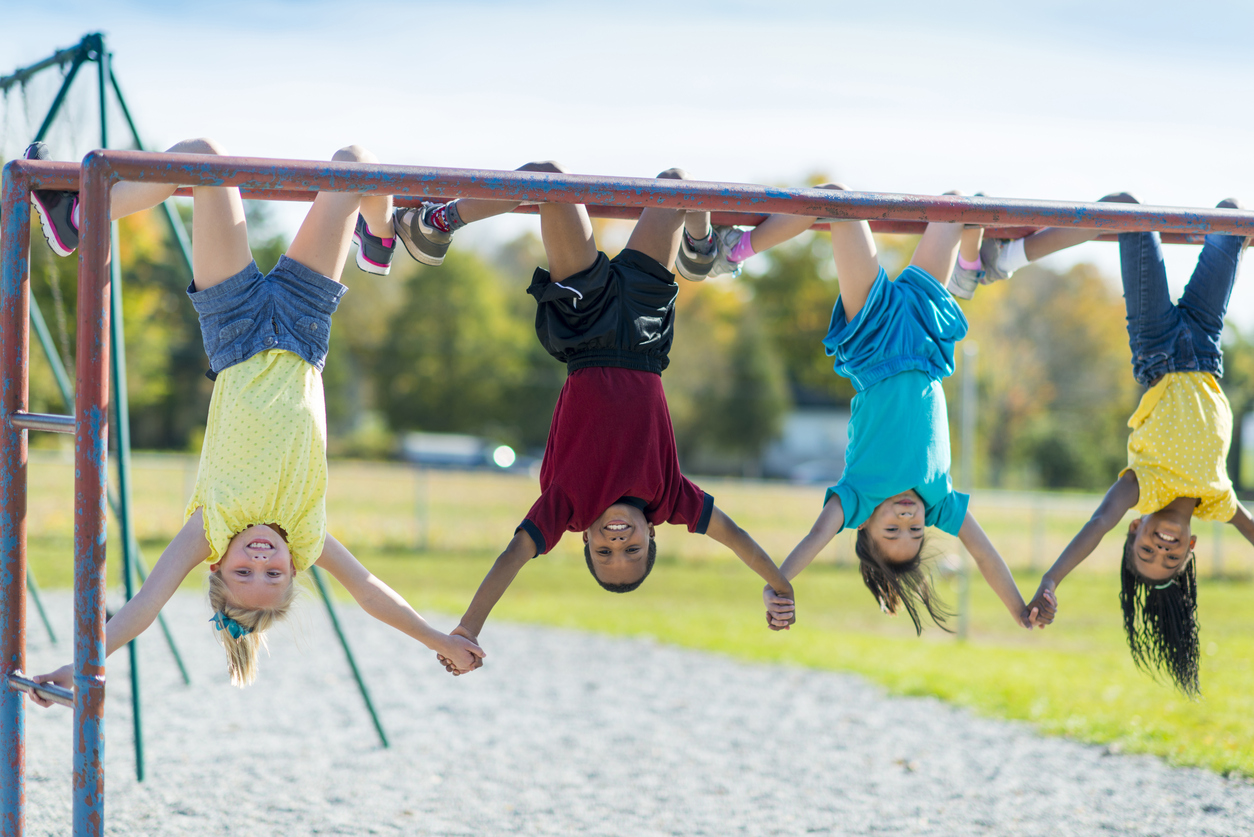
(242, 652)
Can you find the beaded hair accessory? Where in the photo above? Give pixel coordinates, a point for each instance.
(226, 623)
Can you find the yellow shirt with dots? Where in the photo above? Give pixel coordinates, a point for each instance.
(264, 458)
(1179, 446)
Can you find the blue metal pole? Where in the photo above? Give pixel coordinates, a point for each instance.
(14, 359)
(348, 652)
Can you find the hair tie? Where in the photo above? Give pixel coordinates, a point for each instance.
(1164, 586)
(226, 623)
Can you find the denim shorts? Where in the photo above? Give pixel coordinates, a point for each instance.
(288, 308)
(1185, 336)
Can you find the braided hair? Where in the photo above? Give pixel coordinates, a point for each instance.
(900, 585)
(1160, 619)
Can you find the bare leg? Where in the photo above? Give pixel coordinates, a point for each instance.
(972, 238)
(476, 209)
(857, 259)
(321, 244)
(656, 234)
(777, 229)
(1044, 242)
(219, 234)
(937, 250)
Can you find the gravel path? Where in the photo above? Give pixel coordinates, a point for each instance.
(568, 733)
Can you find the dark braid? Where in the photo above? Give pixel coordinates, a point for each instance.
(1160, 619)
(895, 586)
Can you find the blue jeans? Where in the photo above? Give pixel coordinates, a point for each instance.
(1183, 337)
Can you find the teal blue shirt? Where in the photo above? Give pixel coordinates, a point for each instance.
(898, 440)
(896, 351)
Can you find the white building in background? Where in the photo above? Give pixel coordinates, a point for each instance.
(811, 447)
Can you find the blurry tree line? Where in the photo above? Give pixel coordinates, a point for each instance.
(452, 349)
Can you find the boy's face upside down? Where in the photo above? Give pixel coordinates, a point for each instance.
(257, 567)
(619, 543)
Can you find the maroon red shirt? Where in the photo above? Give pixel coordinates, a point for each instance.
(611, 440)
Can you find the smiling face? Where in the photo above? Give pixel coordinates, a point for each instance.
(257, 567)
(618, 541)
(896, 527)
(1161, 545)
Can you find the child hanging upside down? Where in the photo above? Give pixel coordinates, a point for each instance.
(257, 515)
(1177, 450)
(895, 341)
(610, 468)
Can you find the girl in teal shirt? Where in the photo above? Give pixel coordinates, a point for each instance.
(895, 343)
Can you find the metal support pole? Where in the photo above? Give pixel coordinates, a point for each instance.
(60, 97)
(90, 490)
(15, 360)
(167, 207)
(970, 352)
(121, 424)
(348, 652)
(33, 589)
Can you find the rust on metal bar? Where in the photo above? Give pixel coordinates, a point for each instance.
(15, 361)
(47, 422)
(544, 187)
(49, 691)
(90, 492)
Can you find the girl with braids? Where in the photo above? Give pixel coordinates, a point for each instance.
(257, 515)
(895, 341)
(1177, 451)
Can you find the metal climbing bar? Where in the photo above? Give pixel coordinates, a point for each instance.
(47, 422)
(49, 691)
(543, 187)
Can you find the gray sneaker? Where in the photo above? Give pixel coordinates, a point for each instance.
(727, 238)
(990, 252)
(692, 264)
(963, 281)
(424, 242)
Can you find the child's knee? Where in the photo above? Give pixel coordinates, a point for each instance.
(199, 145)
(674, 174)
(1118, 197)
(550, 166)
(354, 154)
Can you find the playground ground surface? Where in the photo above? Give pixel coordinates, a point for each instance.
(1073, 679)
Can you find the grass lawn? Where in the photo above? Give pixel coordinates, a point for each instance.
(1074, 678)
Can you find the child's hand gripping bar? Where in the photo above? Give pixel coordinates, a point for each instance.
(47, 691)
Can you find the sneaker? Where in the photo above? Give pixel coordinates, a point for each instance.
(373, 256)
(692, 264)
(424, 242)
(963, 281)
(56, 209)
(727, 238)
(990, 252)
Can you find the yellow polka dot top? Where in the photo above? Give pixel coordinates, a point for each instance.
(1179, 445)
(264, 458)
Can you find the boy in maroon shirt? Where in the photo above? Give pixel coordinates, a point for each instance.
(610, 467)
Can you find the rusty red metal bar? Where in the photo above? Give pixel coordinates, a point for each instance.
(14, 360)
(91, 446)
(414, 181)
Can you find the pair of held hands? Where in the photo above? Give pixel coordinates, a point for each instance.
(780, 614)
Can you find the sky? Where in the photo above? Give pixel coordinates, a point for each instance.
(1050, 100)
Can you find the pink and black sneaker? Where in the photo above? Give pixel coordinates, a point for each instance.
(374, 254)
(56, 209)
